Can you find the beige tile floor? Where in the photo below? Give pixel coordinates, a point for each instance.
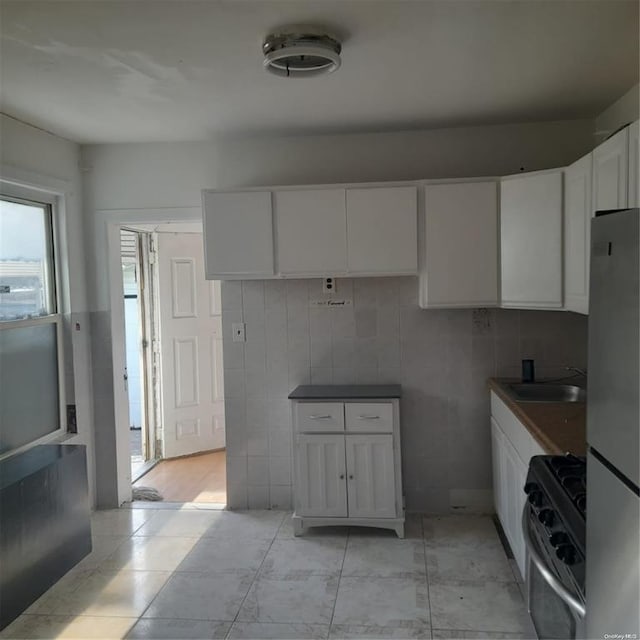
(205, 573)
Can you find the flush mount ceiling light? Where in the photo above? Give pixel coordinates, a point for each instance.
(301, 52)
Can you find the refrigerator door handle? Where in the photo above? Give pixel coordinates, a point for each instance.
(558, 588)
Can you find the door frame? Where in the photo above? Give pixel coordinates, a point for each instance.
(114, 221)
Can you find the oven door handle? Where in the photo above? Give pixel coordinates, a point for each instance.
(558, 588)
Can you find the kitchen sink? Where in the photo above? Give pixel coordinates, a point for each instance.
(546, 392)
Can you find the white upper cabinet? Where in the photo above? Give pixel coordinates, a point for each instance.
(238, 234)
(311, 231)
(610, 172)
(577, 234)
(531, 240)
(382, 230)
(460, 267)
(634, 164)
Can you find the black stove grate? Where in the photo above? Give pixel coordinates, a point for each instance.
(571, 472)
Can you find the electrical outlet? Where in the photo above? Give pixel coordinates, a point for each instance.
(328, 285)
(238, 329)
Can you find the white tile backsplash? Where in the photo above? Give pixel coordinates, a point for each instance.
(258, 470)
(442, 358)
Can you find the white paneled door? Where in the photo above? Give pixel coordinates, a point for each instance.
(320, 476)
(190, 347)
(371, 482)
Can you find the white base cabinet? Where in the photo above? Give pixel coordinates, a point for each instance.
(347, 463)
(512, 447)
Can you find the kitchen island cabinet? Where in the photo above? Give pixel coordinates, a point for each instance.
(347, 457)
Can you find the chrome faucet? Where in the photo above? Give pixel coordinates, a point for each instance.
(582, 372)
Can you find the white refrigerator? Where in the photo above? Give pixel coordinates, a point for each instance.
(613, 428)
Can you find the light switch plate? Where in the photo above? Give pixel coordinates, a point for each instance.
(238, 329)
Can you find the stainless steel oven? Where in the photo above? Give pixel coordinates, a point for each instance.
(555, 604)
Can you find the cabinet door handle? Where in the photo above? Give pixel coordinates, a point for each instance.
(368, 417)
(320, 417)
(350, 477)
(342, 476)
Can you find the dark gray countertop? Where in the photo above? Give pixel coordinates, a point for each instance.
(345, 391)
(22, 465)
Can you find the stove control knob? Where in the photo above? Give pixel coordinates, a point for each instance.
(536, 498)
(547, 517)
(529, 487)
(566, 553)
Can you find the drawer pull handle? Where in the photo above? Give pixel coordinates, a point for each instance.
(368, 417)
(320, 417)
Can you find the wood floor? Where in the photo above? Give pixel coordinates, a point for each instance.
(199, 478)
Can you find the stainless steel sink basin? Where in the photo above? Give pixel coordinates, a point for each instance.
(546, 392)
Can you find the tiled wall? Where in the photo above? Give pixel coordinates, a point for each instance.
(103, 410)
(442, 359)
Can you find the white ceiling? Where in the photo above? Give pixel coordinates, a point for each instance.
(108, 71)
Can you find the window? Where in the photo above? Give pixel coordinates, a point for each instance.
(31, 368)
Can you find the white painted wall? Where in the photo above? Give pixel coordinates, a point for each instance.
(158, 182)
(155, 182)
(36, 159)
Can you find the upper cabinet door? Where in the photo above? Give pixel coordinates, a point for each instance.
(382, 233)
(460, 268)
(238, 234)
(577, 234)
(531, 240)
(311, 231)
(610, 172)
(634, 164)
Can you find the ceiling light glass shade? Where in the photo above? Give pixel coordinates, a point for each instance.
(301, 55)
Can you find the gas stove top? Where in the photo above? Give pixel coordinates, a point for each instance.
(556, 488)
(571, 472)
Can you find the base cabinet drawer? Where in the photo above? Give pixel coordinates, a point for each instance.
(369, 416)
(319, 416)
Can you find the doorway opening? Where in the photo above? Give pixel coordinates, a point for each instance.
(173, 364)
(139, 325)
